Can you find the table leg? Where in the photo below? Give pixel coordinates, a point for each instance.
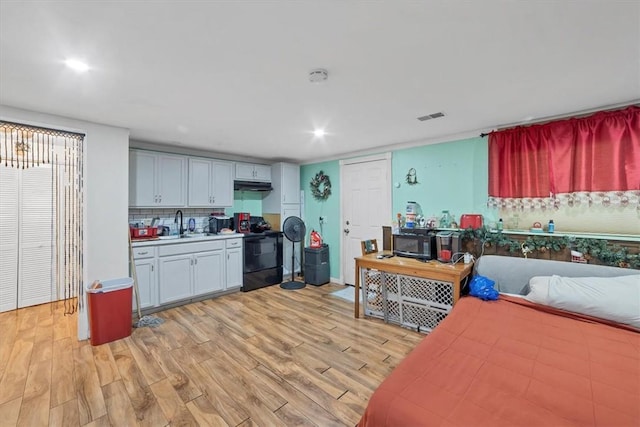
(356, 304)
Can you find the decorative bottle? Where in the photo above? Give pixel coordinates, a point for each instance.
(500, 225)
(552, 226)
(445, 220)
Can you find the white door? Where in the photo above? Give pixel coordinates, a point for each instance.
(234, 268)
(366, 206)
(200, 183)
(175, 278)
(222, 191)
(208, 272)
(36, 282)
(9, 184)
(147, 283)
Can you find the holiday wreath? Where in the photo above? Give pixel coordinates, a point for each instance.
(320, 186)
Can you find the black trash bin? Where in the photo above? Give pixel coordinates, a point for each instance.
(316, 265)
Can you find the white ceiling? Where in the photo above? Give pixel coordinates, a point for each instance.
(232, 76)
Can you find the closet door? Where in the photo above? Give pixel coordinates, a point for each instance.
(9, 185)
(36, 237)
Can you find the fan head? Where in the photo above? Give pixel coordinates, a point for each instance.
(294, 229)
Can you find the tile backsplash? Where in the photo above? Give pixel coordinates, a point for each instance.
(167, 215)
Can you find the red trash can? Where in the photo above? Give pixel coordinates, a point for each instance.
(110, 309)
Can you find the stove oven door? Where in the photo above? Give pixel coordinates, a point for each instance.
(262, 261)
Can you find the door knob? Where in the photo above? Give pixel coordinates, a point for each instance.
(347, 222)
(346, 231)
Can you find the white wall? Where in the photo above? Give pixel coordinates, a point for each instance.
(106, 200)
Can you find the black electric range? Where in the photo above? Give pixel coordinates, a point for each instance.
(262, 260)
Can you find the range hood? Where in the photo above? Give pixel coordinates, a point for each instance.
(252, 186)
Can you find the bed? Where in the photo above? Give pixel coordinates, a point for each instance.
(514, 362)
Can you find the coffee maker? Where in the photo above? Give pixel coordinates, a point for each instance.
(448, 245)
(242, 222)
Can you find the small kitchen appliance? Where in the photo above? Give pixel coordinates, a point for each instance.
(470, 221)
(448, 244)
(419, 244)
(219, 222)
(242, 222)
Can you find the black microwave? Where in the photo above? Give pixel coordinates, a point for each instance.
(420, 246)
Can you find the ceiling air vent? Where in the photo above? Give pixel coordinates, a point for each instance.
(431, 116)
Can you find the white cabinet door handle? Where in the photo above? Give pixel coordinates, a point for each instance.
(152, 267)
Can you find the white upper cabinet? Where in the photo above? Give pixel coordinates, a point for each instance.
(142, 178)
(200, 178)
(285, 180)
(253, 172)
(157, 179)
(210, 183)
(222, 184)
(290, 182)
(172, 183)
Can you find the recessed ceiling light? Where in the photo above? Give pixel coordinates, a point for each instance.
(77, 65)
(319, 133)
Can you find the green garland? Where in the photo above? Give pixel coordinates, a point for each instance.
(316, 182)
(602, 250)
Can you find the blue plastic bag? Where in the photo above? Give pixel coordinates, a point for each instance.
(482, 287)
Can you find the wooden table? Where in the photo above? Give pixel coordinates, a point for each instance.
(435, 270)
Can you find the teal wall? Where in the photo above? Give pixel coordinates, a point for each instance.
(330, 209)
(247, 201)
(451, 175)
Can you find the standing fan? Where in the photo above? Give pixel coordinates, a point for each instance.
(294, 230)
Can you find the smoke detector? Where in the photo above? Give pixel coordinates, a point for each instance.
(318, 75)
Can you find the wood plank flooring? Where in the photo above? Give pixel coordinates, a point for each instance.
(269, 357)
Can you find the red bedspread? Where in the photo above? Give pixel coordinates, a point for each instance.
(500, 363)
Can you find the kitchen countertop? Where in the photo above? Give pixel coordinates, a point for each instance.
(191, 238)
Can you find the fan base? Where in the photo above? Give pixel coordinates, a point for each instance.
(292, 285)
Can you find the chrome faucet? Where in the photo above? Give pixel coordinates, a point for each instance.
(175, 221)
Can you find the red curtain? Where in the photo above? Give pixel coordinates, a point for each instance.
(597, 153)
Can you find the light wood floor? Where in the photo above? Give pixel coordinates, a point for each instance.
(268, 357)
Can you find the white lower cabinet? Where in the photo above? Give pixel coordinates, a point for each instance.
(234, 267)
(175, 278)
(147, 282)
(169, 273)
(208, 272)
(146, 265)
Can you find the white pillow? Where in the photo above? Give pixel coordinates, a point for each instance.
(611, 298)
(539, 290)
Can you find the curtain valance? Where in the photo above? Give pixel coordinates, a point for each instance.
(594, 159)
